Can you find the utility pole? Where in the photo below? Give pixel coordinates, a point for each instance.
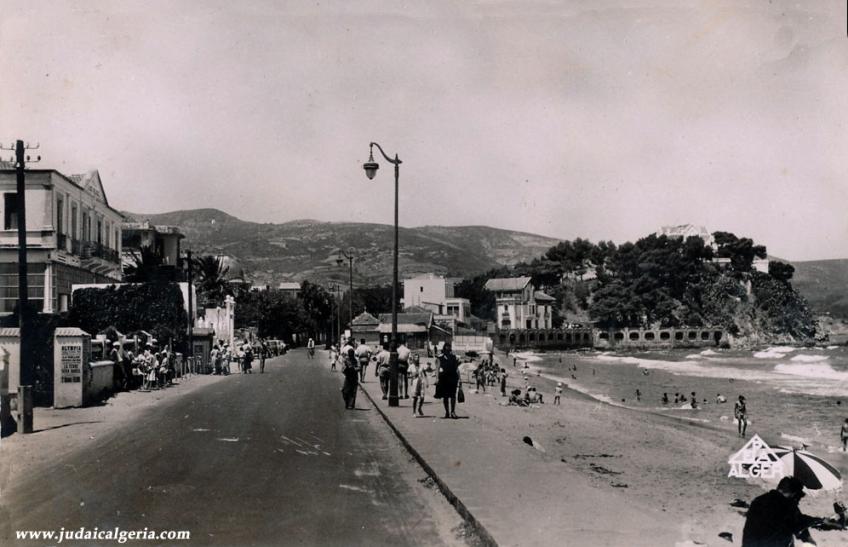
(190, 305)
(27, 366)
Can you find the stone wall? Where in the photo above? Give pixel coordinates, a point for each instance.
(543, 338)
(694, 337)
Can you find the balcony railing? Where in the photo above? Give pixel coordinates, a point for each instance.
(92, 249)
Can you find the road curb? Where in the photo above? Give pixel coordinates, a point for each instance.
(460, 507)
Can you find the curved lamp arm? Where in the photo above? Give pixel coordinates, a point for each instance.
(395, 161)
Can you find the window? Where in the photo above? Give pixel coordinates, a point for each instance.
(86, 227)
(99, 231)
(10, 211)
(74, 221)
(634, 335)
(60, 215)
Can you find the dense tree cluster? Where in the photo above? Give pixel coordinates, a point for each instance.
(661, 281)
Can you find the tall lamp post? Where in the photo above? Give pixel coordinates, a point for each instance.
(349, 255)
(370, 170)
(335, 287)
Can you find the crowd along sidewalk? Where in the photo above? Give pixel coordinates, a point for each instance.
(508, 488)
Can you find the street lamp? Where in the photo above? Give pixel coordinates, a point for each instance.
(371, 167)
(339, 261)
(336, 287)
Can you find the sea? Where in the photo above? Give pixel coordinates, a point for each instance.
(795, 396)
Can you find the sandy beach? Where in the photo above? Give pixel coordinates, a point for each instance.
(674, 460)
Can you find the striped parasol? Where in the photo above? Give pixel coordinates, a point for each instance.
(811, 470)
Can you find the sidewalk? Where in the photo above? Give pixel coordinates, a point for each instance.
(518, 495)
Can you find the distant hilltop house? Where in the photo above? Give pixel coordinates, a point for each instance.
(73, 236)
(686, 230)
(520, 305)
(162, 240)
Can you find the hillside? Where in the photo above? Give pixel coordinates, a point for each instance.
(304, 249)
(824, 283)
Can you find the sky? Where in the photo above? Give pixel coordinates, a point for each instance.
(603, 119)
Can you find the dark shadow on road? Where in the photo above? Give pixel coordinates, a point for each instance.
(66, 425)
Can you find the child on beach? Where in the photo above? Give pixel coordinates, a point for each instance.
(419, 388)
(843, 434)
(558, 394)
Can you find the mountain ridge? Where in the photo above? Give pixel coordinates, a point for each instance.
(308, 249)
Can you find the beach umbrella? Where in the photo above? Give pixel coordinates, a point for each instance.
(811, 470)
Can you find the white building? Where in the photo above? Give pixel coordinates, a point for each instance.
(688, 230)
(73, 236)
(519, 305)
(427, 291)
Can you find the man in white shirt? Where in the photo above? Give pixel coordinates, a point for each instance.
(363, 355)
(382, 371)
(403, 371)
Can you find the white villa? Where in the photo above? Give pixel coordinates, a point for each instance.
(520, 305)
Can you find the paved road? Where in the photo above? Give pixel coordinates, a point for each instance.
(270, 459)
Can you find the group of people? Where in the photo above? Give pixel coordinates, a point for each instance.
(222, 356)
(412, 374)
(153, 369)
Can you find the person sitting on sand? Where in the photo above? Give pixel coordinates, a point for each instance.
(515, 398)
(720, 398)
(533, 396)
(775, 519)
(664, 399)
(676, 398)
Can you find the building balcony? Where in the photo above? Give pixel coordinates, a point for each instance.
(92, 249)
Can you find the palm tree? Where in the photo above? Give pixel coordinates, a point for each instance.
(145, 264)
(211, 279)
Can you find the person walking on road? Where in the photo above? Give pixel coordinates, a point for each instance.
(448, 380)
(351, 380)
(248, 359)
(310, 348)
(363, 355)
(263, 352)
(403, 371)
(382, 371)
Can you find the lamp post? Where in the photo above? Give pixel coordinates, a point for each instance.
(336, 288)
(349, 255)
(370, 170)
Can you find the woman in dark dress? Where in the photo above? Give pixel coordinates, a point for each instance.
(351, 379)
(448, 380)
